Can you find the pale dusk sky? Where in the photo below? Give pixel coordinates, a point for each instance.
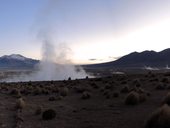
(95, 30)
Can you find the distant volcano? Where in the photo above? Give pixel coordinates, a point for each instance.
(16, 61)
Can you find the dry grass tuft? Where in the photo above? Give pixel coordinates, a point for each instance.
(125, 89)
(20, 104)
(116, 94)
(85, 95)
(159, 118)
(49, 114)
(132, 98)
(160, 87)
(142, 97)
(52, 98)
(38, 110)
(137, 83)
(166, 100)
(64, 91)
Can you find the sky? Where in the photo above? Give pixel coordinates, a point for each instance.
(95, 31)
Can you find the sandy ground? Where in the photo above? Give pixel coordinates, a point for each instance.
(100, 110)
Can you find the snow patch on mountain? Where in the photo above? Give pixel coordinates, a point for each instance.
(15, 56)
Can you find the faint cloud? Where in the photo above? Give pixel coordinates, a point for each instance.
(110, 58)
(115, 58)
(94, 59)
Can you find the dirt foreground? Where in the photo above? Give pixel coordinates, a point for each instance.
(86, 103)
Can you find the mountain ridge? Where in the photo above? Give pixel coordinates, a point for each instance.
(139, 60)
(132, 60)
(17, 61)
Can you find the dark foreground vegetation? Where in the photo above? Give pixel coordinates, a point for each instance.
(117, 101)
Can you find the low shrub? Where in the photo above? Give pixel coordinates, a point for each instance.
(49, 114)
(142, 97)
(64, 91)
(132, 98)
(20, 104)
(160, 87)
(125, 89)
(38, 110)
(52, 98)
(116, 94)
(166, 100)
(159, 118)
(85, 95)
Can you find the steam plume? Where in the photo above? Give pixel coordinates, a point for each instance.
(54, 65)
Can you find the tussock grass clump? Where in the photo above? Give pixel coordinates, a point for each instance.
(38, 110)
(154, 80)
(98, 79)
(116, 94)
(167, 74)
(132, 98)
(37, 91)
(55, 90)
(151, 74)
(94, 85)
(108, 86)
(20, 104)
(49, 114)
(142, 97)
(85, 95)
(160, 87)
(124, 82)
(102, 90)
(45, 91)
(168, 87)
(148, 93)
(79, 89)
(166, 100)
(4, 87)
(108, 96)
(165, 80)
(135, 89)
(141, 90)
(59, 97)
(105, 93)
(64, 91)
(137, 83)
(125, 89)
(159, 118)
(25, 91)
(15, 92)
(52, 98)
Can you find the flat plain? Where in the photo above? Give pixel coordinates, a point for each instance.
(83, 103)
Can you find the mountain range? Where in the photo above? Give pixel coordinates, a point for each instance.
(139, 60)
(133, 60)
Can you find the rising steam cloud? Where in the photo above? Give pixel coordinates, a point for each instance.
(57, 66)
(52, 66)
(56, 61)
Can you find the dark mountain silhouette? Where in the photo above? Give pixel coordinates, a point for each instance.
(132, 60)
(139, 60)
(16, 61)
